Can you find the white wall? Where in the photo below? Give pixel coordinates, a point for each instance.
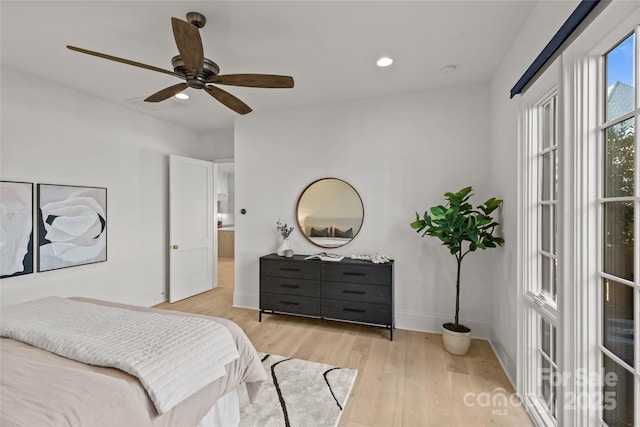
(544, 21)
(401, 153)
(53, 135)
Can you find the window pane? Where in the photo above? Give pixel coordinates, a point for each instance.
(545, 228)
(545, 386)
(554, 176)
(545, 191)
(545, 343)
(617, 318)
(618, 239)
(618, 160)
(554, 221)
(547, 126)
(545, 275)
(620, 88)
(617, 394)
(553, 344)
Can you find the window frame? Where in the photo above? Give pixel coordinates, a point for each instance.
(578, 215)
(534, 305)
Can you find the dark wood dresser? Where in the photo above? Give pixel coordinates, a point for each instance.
(348, 290)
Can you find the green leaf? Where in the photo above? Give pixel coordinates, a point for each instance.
(419, 224)
(437, 210)
(458, 222)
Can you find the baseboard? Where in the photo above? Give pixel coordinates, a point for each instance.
(404, 319)
(148, 299)
(241, 300)
(507, 363)
(421, 322)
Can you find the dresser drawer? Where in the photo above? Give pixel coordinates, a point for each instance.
(286, 285)
(370, 273)
(356, 311)
(289, 268)
(290, 304)
(356, 292)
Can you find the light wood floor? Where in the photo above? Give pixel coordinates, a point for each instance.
(409, 382)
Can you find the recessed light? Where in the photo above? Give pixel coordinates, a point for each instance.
(182, 96)
(385, 61)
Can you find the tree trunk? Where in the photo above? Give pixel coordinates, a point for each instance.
(459, 259)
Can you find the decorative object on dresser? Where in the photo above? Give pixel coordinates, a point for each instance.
(462, 229)
(349, 290)
(329, 213)
(285, 232)
(16, 222)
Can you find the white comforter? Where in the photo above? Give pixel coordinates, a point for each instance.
(172, 356)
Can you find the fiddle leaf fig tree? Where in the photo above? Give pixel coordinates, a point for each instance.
(462, 229)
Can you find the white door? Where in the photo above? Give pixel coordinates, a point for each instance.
(191, 231)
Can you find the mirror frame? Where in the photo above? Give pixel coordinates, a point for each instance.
(300, 226)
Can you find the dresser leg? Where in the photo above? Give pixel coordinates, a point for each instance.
(391, 333)
(260, 316)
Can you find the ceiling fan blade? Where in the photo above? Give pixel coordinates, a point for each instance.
(253, 80)
(229, 100)
(189, 44)
(166, 93)
(124, 61)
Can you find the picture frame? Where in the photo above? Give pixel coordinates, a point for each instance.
(16, 228)
(72, 226)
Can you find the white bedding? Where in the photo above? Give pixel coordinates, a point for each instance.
(329, 242)
(172, 356)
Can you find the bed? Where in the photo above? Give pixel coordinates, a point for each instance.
(40, 388)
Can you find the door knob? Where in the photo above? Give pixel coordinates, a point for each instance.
(174, 247)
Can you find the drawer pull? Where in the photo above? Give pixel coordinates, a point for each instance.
(354, 310)
(352, 273)
(289, 269)
(347, 291)
(289, 303)
(284, 285)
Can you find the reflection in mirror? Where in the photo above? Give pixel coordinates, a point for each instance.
(330, 213)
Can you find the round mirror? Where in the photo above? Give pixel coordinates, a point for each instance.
(329, 212)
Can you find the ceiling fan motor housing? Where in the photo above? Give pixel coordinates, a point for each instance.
(209, 69)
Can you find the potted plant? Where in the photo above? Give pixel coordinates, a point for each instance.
(462, 229)
(284, 231)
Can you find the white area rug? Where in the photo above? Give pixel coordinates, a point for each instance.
(298, 393)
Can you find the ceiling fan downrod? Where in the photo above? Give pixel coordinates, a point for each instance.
(196, 19)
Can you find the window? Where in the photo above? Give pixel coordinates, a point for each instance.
(619, 207)
(539, 271)
(578, 223)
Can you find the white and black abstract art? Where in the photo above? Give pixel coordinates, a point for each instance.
(72, 226)
(16, 228)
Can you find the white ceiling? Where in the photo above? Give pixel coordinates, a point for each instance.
(329, 47)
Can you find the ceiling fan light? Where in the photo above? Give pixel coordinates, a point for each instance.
(385, 61)
(182, 96)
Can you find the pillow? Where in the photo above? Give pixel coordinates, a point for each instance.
(346, 234)
(324, 232)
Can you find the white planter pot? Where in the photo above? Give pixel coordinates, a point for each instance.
(457, 343)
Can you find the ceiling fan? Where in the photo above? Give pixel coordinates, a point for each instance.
(197, 71)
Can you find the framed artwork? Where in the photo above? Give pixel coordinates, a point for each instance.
(16, 228)
(72, 226)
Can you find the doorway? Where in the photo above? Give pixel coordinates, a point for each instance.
(225, 188)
